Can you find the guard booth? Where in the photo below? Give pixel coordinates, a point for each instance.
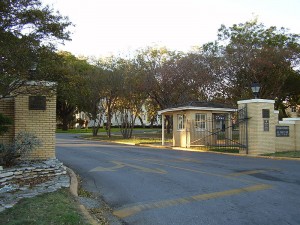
(207, 125)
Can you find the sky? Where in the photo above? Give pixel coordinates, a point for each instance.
(119, 27)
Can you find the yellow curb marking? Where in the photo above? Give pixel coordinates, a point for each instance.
(119, 165)
(125, 212)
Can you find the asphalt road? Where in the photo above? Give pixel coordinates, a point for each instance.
(155, 186)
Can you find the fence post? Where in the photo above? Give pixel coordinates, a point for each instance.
(162, 130)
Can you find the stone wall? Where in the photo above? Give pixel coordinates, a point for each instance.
(31, 179)
(15, 175)
(292, 142)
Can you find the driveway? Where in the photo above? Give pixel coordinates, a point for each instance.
(157, 186)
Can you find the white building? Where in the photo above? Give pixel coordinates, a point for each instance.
(143, 119)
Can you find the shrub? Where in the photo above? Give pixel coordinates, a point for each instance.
(22, 145)
(4, 123)
(9, 157)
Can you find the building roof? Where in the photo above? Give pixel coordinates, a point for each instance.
(205, 104)
(198, 105)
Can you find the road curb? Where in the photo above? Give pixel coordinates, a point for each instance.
(220, 153)
(73, 182)
(193, 150)
(74, 192)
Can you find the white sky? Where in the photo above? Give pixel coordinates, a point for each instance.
(105, 27)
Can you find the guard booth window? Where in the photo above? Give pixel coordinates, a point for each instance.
(180, 121)
(200, 121)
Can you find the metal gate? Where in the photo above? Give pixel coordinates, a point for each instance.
(223, 132)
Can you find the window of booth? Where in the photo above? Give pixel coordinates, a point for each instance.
(180, 122)
(200, 121)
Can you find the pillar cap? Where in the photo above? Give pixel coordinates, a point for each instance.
(291, 119)
(256, 101)
(41, 83)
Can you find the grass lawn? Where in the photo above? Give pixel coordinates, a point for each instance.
(149, 138)
(291, 154)
(74, 131)
(58, 207)
(217, 149)
(225, 150)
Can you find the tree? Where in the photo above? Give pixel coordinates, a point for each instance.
(92, 100)
(251, 53)
(290, 97)
(172, 78)
(26, 29)
(150, 61)
(71, 86)
(131, 98)
(151, 107)
(112, 85)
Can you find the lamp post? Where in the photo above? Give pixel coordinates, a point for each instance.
(255, 89)
(32, 71)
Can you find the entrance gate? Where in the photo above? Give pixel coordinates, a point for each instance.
(223, 132)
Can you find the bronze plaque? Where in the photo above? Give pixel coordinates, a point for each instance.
(37, 102)
(266, 113)
(282, 131)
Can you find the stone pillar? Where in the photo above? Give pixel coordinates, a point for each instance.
(261, 125)
(35, 112)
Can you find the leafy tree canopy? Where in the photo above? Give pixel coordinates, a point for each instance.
(26, 29)
(72, 85)
(251, 52)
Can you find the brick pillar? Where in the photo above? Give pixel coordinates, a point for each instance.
(36, 113)
(261, 125)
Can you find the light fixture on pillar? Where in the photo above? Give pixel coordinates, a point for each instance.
(255, 89)
(32, 71)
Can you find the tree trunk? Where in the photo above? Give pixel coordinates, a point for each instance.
(108, 122)
(127, 125)
(132, 126)
(65, 123)
(142, 123)
(96, 128)
(94, 118)
(152, 122)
